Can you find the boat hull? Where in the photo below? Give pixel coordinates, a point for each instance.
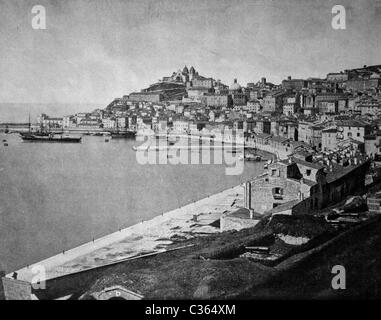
(51, 139)
(124, 135)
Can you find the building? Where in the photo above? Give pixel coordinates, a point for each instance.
(363, 84)
(337, 77)
(329, 139)
(294, 84)
(331, 102)
(299, 186)
(49, 122)
(373, 145)
(273, 101)
(203, 82)
(68, 121)
(254, 106)
(181, 126)
(289, 109)
(354, 129)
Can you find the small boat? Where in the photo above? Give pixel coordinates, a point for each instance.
(5, 144)
(107, 140)
(4, 140)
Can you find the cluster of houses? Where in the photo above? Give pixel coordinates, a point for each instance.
(322, 113)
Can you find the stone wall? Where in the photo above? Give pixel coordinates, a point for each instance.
(234, 223)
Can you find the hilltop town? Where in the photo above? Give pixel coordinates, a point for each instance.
(314, 205)
(321, 113)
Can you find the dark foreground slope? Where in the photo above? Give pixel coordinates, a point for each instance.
(214, 268)
(309, 276)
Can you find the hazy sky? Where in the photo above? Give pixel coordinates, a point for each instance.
(95, 50)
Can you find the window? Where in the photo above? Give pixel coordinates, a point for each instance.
(273, 172)
(358, 134)
(308, 172)
(349, 134)
(278, 190)
(278, 193)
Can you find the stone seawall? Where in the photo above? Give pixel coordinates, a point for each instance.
(193, 219)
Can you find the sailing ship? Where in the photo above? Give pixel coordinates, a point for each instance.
(43, 136)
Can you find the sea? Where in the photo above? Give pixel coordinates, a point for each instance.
(56, 196)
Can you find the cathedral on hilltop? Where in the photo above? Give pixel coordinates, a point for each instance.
(183, 76)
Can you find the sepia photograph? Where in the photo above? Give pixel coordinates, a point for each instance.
(190, 150)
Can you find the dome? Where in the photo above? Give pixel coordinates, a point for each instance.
(235, 86)
(185, 70)
(192, 70)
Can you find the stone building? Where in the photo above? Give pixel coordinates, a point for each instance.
(299, 186)
(329, 139)
(219, 100)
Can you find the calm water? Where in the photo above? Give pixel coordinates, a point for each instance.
(57, 196)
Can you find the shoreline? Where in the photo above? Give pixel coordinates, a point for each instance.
(154, 235)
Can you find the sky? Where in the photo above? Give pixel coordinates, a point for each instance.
(95, 50)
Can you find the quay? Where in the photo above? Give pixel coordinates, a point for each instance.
(193, 219)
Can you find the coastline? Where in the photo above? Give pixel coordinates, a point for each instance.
(154, 235)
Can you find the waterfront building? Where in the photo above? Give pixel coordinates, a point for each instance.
(109, 123)
(180, 126)
(49, 122)
(68, 122)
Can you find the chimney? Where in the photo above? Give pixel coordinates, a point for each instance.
(289, 78)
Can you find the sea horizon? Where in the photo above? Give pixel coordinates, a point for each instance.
(18, 112)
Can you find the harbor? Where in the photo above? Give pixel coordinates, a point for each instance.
(77, 188)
